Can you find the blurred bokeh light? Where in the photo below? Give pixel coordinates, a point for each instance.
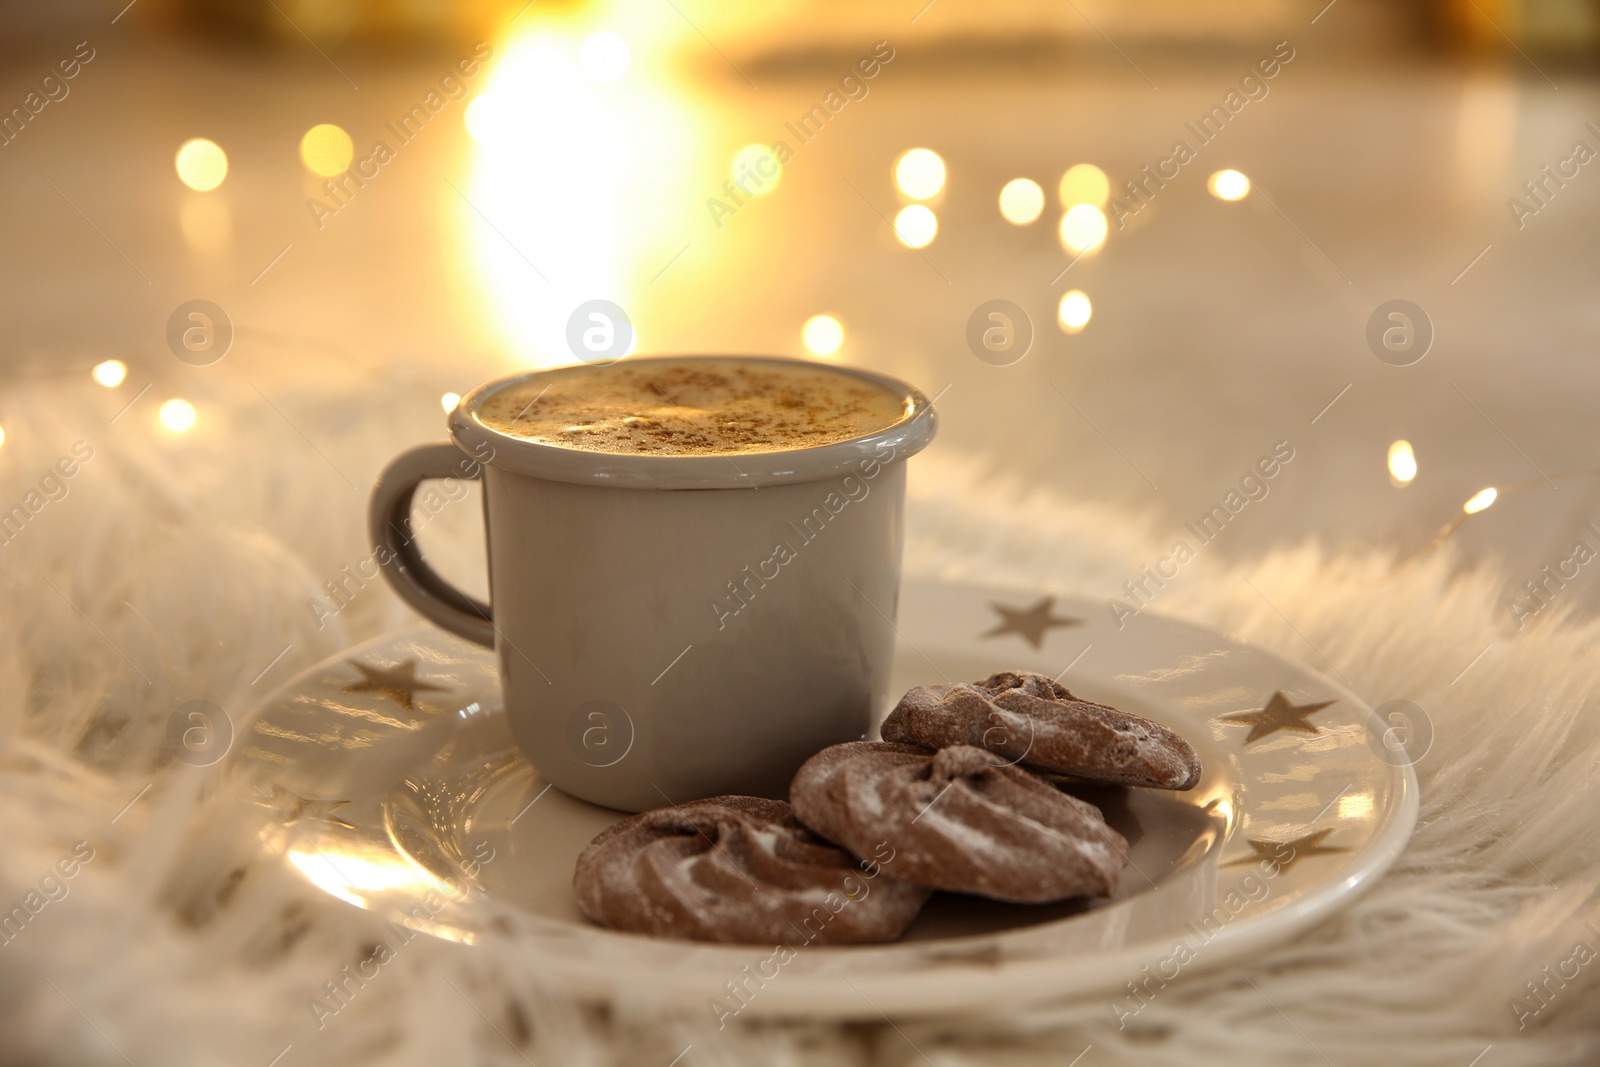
(110, 373)
(1084, 183)
(1228, 185)
(1074, 311)
(823, 335)
(614, 152)
(564, 202)
(1083, 228)
(1402, 463)
(916, 226)
(201, 164)
(919, 173)
(1021, 201)
(326, 150)
(177, 415)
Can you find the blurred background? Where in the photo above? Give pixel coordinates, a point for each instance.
(424, 192)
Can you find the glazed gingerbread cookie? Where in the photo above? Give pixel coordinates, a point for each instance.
(1034, 721)
(737, 869)
(961, 819)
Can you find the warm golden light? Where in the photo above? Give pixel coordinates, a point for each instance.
(110, 373)
(1083, 228)
(1074, 311)
(822, 335)
(1085, 184)
(604, 58)
(1402, 463)
(201, 164)
(356, 877)
(449, 401)
(327, 150)
(916, 226)
(756, 170)
(483, 116)
(1355, 806)
(177, 415)
(2, 435)
(1021, 201)
(920, 174)
(568, 179)
(1228, 185)
(1480, 500)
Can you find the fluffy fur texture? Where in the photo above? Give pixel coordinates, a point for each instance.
(176, 569)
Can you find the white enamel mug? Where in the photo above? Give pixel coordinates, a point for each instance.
(672, 627)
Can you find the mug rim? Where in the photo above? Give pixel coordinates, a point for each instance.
(905, 437)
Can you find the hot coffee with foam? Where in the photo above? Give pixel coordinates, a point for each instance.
(692, 407)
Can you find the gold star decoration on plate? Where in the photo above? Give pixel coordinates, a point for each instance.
(400, 682)
(1031, 624)
(1279, 714)
(1287, 853)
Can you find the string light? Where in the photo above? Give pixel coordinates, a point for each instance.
(449, 401)
(1480, 501)
(1085, 184)
(1083, 228)
(177, 415)
(1484, 499)
(201, 164)
(920, 173)
(1228, 185)
(326, 150)
(916, 226)
(1074, 311)
(110, 373)
(823, 335)
(1402, 463)
(1021, 201)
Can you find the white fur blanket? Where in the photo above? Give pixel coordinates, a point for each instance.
(170, 568)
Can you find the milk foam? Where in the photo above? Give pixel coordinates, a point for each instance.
(689, 407)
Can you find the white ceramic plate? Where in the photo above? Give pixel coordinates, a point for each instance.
(399, 790)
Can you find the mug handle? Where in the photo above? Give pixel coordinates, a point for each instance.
(389, 523)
